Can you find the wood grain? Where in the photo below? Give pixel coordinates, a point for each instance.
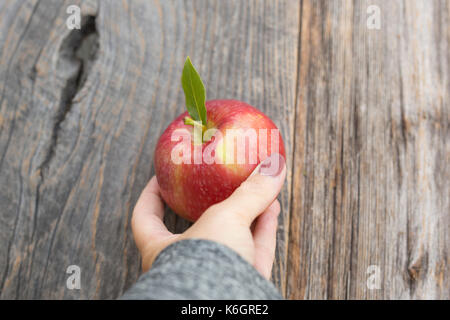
(81, 112)
(371, 181)
(364, 114)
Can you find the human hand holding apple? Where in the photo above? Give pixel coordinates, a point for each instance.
(245, 222)
(232, 203)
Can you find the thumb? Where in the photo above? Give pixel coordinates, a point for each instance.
(258, 192)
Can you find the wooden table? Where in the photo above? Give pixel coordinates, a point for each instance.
(364, 112)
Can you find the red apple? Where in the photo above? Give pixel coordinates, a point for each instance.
(189, 188)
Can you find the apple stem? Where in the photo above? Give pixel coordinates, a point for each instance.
(198, 134)
(192, 122)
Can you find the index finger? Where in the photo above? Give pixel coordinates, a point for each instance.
(147, 221)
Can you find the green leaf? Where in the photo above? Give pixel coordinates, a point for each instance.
(194, 92)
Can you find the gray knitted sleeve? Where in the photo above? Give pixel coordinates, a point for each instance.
(201, 269)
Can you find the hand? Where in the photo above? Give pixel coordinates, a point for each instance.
(245, 222)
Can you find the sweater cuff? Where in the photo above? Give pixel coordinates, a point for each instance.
(201, 269)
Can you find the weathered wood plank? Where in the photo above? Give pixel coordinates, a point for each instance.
(253, 58)
(79, 123)
(371, 181)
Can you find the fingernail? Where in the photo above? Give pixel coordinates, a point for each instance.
(272, 166)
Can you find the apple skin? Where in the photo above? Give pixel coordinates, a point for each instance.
(189, 189)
